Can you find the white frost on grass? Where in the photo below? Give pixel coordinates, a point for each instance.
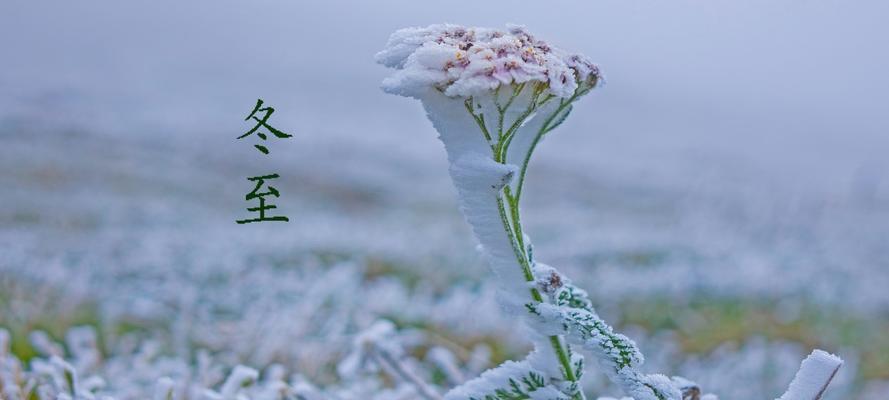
(365, 345)
(815, 373)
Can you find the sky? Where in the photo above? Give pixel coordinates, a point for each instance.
(791, 91)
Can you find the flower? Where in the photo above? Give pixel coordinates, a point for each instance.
(461, 61)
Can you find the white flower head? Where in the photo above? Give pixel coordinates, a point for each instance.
(462, 62)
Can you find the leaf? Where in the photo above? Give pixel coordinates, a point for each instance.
(509, 381)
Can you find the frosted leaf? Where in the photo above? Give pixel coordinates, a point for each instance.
(481, 174)
(508, 381)
(305, 390)
(210, 395)
(239, 377)
(41, 342)
(815, 373)
(92, 384)
(478, 179)
(61, 374)
(547, 393)
(379, 334)
(163, 389)
(446, 361)
(690, 390)
(405, 41)
(617, 354)
(83, 345)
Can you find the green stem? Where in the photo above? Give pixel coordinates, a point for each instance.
(479, 119)
(511, 219)
(506, 139)
(543, 130)
(514, 232)
(519, 253)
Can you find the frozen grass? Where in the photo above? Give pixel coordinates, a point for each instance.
(46, 241)
(45, 257)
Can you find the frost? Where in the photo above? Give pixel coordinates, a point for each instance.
(815, 373)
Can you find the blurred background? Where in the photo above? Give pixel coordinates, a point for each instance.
(724, 197)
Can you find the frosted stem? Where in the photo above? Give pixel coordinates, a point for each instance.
(492, 95)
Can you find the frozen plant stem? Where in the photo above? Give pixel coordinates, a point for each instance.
(398, 370)
(510, 215)
(493, 96)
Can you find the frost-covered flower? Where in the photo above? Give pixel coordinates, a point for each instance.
(461, 61)
(493, 96)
